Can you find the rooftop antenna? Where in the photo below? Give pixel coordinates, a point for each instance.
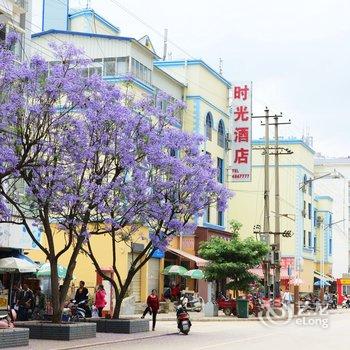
(165, 47)
(221, 65)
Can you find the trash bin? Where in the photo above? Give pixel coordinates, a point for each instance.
(242, 308)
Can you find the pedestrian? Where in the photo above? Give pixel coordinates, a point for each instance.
(82, 293)
(100, 299)
(25, 303)
(152, 307)
(39, 304)
(14, 295)
(287, 298)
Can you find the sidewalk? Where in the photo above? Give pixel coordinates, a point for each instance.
(199, 316)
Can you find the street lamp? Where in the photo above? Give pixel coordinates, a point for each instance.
(334, 175)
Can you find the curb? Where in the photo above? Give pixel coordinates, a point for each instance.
(114, 341)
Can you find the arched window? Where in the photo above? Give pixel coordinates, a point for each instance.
(208, 125)
(221, 134)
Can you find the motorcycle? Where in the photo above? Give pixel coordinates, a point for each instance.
(183, 320)
(8, 320)
(77, 311)
(346, 303)
(192, 303)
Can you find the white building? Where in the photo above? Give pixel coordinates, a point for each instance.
(16, 15)
(334, 178)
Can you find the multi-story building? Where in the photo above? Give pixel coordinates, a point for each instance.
(118, 59)
(299, 210)
(334, 174)
(15, 15)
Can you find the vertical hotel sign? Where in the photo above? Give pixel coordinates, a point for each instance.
(242, 132)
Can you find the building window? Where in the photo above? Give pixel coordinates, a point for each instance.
(330, 248)
(310, 187)
(221, 134)
(220, 170)
(208, 213)
(304, 183)
(209, 126)
(315, 243)
(304, 210)
(122, 65)
(309, 211)
(96, 67)
(109, 65)
(304, 239)
(315, 218)
(220, 218)
(309, 239)
(140, 71)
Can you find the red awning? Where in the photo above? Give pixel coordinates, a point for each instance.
(259, 272)
(199, 261)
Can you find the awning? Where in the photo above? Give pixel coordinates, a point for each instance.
(199, 261)
(322, 276)
(259, 272)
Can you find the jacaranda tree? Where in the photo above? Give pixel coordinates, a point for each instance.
(171, 181)
(82, 158)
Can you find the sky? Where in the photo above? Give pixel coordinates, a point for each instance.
(296, 53)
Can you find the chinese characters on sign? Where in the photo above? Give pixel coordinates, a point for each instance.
(242, 129)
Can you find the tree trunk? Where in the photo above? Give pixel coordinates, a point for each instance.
(118, 303)
(56, 305)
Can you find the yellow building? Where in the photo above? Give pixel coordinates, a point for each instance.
(299, 210)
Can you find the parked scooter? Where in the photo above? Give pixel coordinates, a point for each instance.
(8, 320)
(77, 310)
(183, 320)
(346, 303)
(192, 303)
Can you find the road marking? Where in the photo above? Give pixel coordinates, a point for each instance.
(236, 341)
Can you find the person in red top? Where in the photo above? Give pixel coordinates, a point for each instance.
(100, 299)
(152, 307)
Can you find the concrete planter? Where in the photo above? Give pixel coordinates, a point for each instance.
(14, 337)
(126, 326)
(63, 331)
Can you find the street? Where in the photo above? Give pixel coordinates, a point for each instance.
(244, 335)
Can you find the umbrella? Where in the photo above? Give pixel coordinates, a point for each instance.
(174, 270)
(45, 271)
(322, 283)
(194, 274)
(12, 265)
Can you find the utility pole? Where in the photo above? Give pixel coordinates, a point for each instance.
(276, 246)
(277, 237)
(266, 228)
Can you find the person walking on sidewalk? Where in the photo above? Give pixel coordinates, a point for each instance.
(100, 299)
(152, 307)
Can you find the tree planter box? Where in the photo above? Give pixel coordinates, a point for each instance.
(63, 331)
(14, 337)
(122, 325)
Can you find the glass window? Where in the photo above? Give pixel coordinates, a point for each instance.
(309, 211)
(122, 65)
(309, 242)
(315, 243)
(209, 125)
(220, 169)
(96, 67)
(304, 239)
(109, 66)
(221, 134)
(304, 210)
(330, 246)
(220, 218)
(208, 213)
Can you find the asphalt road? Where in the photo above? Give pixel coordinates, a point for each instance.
(329, 332)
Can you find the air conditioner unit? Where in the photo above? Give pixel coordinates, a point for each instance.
(228, 141)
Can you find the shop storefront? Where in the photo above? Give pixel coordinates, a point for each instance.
(343, 288)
